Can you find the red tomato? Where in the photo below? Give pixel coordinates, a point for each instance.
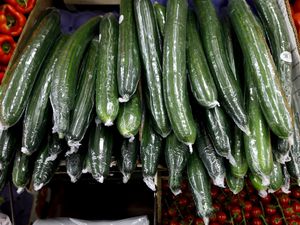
(296, 18)
(296, 192)
(236, 213)
(284, 200)
(174, 222)
(214, 191)
(235, 199)
(267, 199)
(182, 201)
(217, 206)
(296, 207)
(199, 221)
(214, 223)
(247, 215)
(221, 197)
(221, 217)
(288, 212)
(296, 6)
(242, 194)
(276, 220)
(189, 219)
(256, 211)
(1, 76)
(184, 185)
(257, 221)
(172, 212)
(293, 222)
(270, 209)
(247, 205)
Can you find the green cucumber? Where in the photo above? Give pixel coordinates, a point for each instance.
(130, 117)
(258, 143)
(129, 64)
(229, 90)
(160, 15)
(149, 44)
(20, 76)
(200, 187)
(56, 145)
(80, 117)
(281, 150)
(287, 178)
(21, 173)
(174, 73)
(219, 131)
(235, 184)
(44, 168)
(8, 146)
(65, 77)
(74, 164)
(128, 158)
(100, 151)
(201, 80)
(259, 185)
(240, 169)
(150, 150)
(176, 156)
(265, 75)
(3, 176)
(38, 109)
(276, 178)
(107, 104)
(213, 163)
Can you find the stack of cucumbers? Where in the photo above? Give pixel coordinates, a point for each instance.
(206, 93)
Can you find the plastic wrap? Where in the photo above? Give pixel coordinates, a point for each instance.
(100, 150)
(276, 178)
(56, 145)
(74, 165)
(160, 15)
(21, 173)
(8, 146)
(286, 185)
(84, 102)
(200, 187)
(150, 151)
(219, 131)
(213, 163)
(141, 220)
(127, 159)
(258, 184)
(235, 184)
(176, 155)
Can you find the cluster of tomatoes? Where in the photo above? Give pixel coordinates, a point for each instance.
(244, 208)
(295, 10)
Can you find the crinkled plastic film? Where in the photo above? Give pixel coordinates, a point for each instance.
(74, 165)
(276, 177)
(235, 184)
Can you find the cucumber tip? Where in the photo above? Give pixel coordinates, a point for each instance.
(20, 190)
(206, 220)
(131, 139)
(126, 177)
(125, 98)
(190, 147)
(176, 191)
(263, 193)
(61, 135)
(37, 187)
(149, 181)
(25, 151)
(108, 123)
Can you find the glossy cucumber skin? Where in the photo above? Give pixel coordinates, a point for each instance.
(235, 184)
(218, 127)
(130, 117)
(276, 177)
(199, 185)
(150, 149)
(129, 64)
(176, 156)
(38, 109)
(230, 93)
(149, 45)
(63, 90)
(21, 173)
(265, 75)
(3, 176)
(160, 15)
(80, 117)
(107, 103)
(74, 165)
(8, 146)
(213, 162)
(100, 151)
(238, 152)
(257, 183)
(174, 73)
(200, 78)
(20, 76)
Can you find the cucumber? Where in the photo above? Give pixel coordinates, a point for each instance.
(201, 80)
(200, 187)
(128, 157)
(174, 73)
(235, 184)
(160, 15)
(80, 117)
(38, 109)
(130, 117)
(129, 65)
(150, 150)
(281, 150)
(65, 77)
(176, 156)
(44, 168)
(74, 164)
(213, 163)
(276, 178)
(258, 144)
(229, 90)
(21, 173)
(287, 178)
(149, 44)
(238, 153)
(259, 185)
(100, 151)
(219, 131)
(107, 104)
(21, 75)
(56, 145)
(265, 75)
(8, 146)
(3, 176)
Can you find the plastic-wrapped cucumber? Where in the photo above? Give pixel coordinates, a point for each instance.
(176, 155)
(281, 150)
(238, 153)
(213, 163)
(235, 184)
(150, 150)
(160, 15)
(276, 178)
(3, 176)
(128, 157)
(21, 173)
(74, 164)
(200, 187)
(56, 145)
(8, 146)
(200, 78)
(100, 150)
(86, 168)
(287, 178)
(258, 184)
(80, 117)
(219, 130)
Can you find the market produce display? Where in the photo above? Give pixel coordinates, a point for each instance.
(207, 92)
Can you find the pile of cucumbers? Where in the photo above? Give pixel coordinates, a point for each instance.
(209, 90)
